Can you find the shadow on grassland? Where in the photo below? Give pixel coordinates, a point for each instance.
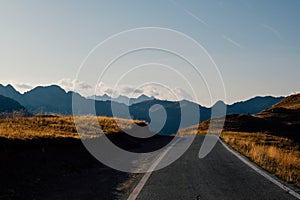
(61, 168)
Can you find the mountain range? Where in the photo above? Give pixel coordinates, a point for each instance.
(54, 100)
(280, 119)
(10, 107)
(121, 99)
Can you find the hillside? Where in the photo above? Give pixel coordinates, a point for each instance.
(11, 92)
(281, 119)
(291, 102)
(59, 126)
(286, 111)
(10, 107)
(253, 105)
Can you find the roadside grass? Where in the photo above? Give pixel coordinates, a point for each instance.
(278, 155)
(199, 129)
(61, 126)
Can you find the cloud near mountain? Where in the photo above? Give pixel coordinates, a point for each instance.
(24, 86)
(75, 85)
(151, 90)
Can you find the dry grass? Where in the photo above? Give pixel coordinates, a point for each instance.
(199, 129)
(60, 126)
(191, 131)
(280, 156)
(291, 102)
(213, 126)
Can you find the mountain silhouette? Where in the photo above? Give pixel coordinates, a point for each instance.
(121, 99)
(173, 110)
(10, 107)
(253, 106)
(281, 119)
(54, 100)
(9, 91)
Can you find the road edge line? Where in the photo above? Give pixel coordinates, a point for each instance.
(138, 188)
(259, 170)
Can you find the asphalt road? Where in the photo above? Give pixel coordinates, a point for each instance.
(220, 175)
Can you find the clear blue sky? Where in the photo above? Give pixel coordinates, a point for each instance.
(255, 44)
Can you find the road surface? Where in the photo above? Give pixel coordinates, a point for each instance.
(220, 175)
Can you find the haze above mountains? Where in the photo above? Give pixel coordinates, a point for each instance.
(54, 100)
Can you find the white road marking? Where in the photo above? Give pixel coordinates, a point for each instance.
(146, 176)
(143, 181)
(258, 170)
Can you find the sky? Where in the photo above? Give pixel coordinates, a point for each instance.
(245, 48)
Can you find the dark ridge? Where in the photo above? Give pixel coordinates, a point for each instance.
(12, 108)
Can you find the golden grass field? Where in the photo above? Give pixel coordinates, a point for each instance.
(59, 126)
(278, 155)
